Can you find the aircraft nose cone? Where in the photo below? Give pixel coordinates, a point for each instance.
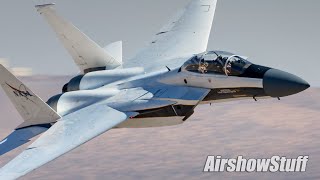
(278, 83)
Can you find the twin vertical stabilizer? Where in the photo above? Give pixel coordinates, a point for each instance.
(31, 108)
(88, 55)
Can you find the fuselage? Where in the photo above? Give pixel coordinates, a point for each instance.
(168, 96)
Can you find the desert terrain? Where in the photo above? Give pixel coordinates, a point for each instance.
(289, 127)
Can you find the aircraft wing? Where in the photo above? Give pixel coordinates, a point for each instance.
(19, 137)
(185, 35)
(68, 133)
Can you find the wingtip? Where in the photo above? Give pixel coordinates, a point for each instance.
(44, 5)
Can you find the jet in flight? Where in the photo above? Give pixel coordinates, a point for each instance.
(160, 86)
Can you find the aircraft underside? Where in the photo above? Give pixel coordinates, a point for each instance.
(177, 114)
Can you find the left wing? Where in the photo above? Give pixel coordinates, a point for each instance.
(68, 133)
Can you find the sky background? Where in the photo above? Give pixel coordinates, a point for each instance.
(281, 34)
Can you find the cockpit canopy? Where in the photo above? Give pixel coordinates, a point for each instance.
(217, 62)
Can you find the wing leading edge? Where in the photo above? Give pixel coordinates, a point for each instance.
(68, 133)
(186, 34)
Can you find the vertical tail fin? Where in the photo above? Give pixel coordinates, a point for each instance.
(88, 55)
(31, 108)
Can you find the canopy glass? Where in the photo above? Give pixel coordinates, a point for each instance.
(217, 62)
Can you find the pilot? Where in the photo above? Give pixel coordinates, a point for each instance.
(228, 68)
(203, 65)
(221, 60)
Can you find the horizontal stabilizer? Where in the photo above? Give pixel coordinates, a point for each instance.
(88, 55)
(19, 137)
(31, 108)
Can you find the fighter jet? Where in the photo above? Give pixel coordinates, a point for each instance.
(160, 86)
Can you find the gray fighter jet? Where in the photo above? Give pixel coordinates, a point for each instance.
(160, 86)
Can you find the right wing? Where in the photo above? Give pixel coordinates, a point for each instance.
(186, 34)
(68, 133)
